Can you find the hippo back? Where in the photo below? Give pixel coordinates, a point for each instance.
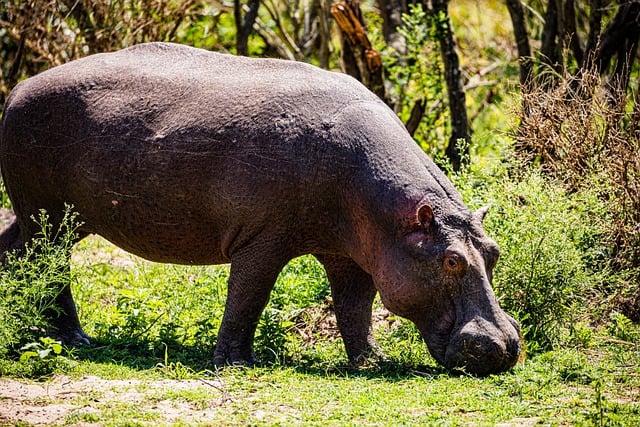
(166, 146)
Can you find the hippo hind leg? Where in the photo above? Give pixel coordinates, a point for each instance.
(64, 321)
(254, 270)
(353, 294)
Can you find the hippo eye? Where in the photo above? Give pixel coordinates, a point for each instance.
(454, 261)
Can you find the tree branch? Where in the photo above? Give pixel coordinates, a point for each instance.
(358, 56)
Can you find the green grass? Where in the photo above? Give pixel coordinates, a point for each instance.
(155, 326)
(154, 323)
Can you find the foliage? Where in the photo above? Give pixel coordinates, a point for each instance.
(43, 358)
(548, 246)
(589, 140)
(272, 335)
(45, 349)
(36, 35)
(416, 77)
(31, 281)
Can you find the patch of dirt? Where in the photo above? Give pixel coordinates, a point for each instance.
(319, 322)
(520, 422)
(57, 400)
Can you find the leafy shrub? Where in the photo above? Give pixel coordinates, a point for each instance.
(548, 244)
(31, 282)
(584, 137)
(272, 335)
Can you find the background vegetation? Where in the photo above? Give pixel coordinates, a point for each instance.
(551, 142)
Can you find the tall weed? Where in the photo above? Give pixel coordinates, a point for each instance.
(26, 290)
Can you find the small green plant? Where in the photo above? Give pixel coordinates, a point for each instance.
(582, 334)
(31, 281)
(138, 312)
(42, 358)
(46, 349)
(272, 336)
(623, 328)
(174, 370)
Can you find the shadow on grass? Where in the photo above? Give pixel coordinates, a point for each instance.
(140, 354)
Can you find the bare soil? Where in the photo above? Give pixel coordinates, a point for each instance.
(63, 400)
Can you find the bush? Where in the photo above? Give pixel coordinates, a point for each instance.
(549, 245)
(584, 137)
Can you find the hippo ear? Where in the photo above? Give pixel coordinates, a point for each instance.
(425, 216)
(480, 213)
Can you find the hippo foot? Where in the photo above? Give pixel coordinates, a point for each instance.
(75, 337)
(223, 359)
(372, 357)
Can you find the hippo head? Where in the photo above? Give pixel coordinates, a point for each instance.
(438, 274)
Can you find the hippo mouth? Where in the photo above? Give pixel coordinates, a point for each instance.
(437, 333)
(482, 349)
(477, 346)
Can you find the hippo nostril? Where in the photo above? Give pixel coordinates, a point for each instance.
(513, 348)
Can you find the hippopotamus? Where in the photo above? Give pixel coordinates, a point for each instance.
(181, 155)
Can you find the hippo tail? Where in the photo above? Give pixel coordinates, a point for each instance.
(10, 239)
(10, 236)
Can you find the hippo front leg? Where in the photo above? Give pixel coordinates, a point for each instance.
(253, 274)
(353, 293)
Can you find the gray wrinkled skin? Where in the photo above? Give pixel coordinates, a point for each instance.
(185, 156)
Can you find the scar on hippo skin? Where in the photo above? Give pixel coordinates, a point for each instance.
(184, 156)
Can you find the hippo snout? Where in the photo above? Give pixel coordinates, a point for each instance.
(481, 347)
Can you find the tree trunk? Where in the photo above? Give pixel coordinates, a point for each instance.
(457, 100)
(522, 41)
(620, 39)
(324, 32)
(244, 24)
(549, 47)
(391, 12)
(569, 30)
